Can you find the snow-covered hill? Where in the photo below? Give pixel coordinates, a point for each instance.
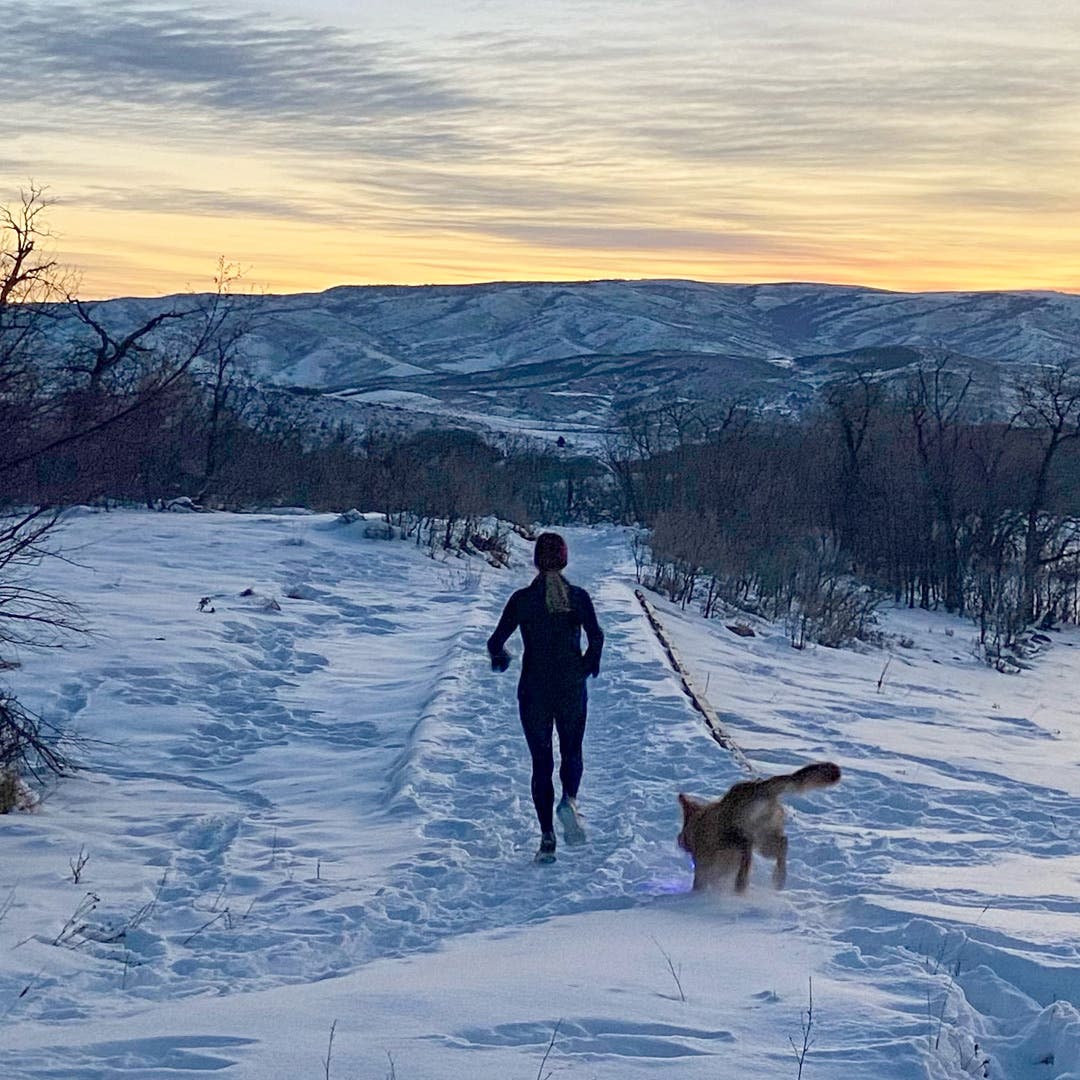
(306, 832)
(557, 356)
(347, 335)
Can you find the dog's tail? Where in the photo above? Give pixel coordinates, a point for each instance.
(820, 774)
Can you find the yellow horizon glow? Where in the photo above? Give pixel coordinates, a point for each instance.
(118, 254)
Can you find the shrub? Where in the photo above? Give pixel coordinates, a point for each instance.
(28, 744)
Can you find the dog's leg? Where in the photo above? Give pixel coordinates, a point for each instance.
(746, 853)
(779, 874)
(775, 846)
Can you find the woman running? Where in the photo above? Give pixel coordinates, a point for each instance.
(551, 613)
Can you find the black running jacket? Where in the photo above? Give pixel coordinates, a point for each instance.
(552, 657)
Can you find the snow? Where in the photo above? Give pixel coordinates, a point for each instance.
(395, 397)
(315, 813)
(470, 365)
(578, 423)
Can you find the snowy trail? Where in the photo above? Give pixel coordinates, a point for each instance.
(466, 773)
(291, 803)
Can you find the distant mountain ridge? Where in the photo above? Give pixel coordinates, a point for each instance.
(512, 349)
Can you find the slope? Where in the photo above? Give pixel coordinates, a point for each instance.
(310, 806)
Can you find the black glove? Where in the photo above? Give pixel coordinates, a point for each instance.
(500, 661)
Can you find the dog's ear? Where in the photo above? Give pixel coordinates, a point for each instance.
(689, 806)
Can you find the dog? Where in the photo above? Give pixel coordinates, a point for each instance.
(721, 836)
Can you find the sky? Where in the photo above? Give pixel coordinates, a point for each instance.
(929, 145)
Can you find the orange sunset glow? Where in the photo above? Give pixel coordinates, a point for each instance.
(936, 147)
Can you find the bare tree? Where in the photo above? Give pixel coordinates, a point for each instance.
(29, 618)
(852, 405)
(105, 354)
(220, 372)
(109, 375)
(935, 402)
(30, 280)
(1050, 410)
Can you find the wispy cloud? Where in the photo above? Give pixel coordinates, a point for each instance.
(209, 202)
(774, 85)
(618, 238)
(124, 63)
(804, 92)
(1051, 199)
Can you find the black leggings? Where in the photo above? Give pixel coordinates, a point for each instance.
(566, 714)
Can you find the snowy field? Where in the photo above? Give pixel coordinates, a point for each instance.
(306, 837)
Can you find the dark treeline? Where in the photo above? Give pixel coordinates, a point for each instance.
(259, 449)
(884, 488)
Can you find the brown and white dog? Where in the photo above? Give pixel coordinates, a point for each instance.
(721, 836)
